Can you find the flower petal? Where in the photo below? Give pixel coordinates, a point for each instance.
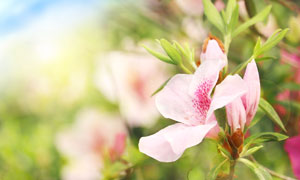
(214, 132)
(204, 80)
(168, 144)
(236, 114)
(174, 101)
(231, 88)
(251, 98)
(292, 146)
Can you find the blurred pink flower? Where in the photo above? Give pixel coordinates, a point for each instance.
(195, 7)
(191, 7)
(129, 79)
(241, 111)
(292, 146)
(92, 138)
(186, 99)
(268, 28)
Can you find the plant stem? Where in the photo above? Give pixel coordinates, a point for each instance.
(231, 173)
(273, 173)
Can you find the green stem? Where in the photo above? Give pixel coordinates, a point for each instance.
(231, 173)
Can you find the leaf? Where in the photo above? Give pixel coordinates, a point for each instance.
(260, 172)
(250, 6)
(265, 137)
(171, 51)
(213, 15)
(259, 17)
(291, 86)
(224, 152)
(251, 151)
(234, 19)
(241, 66)
(272, 41)
(265, 58)
(161, 87)
(213, 173)
(271, 113)
(221, 117)
(231, 5)
(257, 45)
(159, 56)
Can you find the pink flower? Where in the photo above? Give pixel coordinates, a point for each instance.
(129, 79)
(241, 111)
(292, 146)
(187, 100)
(91, 139)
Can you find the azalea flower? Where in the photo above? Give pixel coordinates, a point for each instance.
(292, 146)
(92, 138)
(241, 111)
(187, 100)
(129, 79)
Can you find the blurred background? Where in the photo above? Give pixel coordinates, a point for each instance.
(76, 85)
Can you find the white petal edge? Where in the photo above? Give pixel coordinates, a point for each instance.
(168, 144)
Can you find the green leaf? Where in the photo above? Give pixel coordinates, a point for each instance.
(265, 58)
(250, 6)
(234, 19)
(171, 51)
(221, 117)
(161, 87)
(187, 53)
(213, 15)
(260, 172)
(272, 41)
(271, 113)
(159, 56)
(251, 151)
(257, 45)
(265, 137)
(224, 152)
(241, 66)
(213, 173)
(231, 5)
(291, 86)
(259, 17)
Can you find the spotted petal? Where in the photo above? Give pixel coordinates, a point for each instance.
(174, 101)
(168, 144)
(204, 80)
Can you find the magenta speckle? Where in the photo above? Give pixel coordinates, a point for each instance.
(202, 100)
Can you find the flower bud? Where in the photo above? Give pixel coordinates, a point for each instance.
(213, 49)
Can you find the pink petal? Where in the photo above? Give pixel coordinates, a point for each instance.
(214, 132)
(231, 88)
(251, 98)
(292, 146)
(204, 80)
(236, 114)
(168, 144)
(174, 101)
